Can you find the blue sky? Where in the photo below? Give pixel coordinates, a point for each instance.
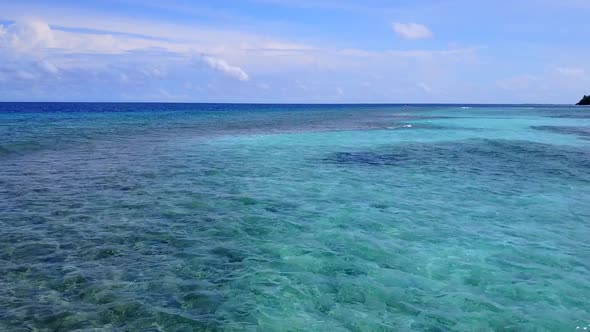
(295, 51)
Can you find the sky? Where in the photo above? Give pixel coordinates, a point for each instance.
(295, 51)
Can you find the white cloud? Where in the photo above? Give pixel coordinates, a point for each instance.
(48, 67)
(411, 30)
(354, 52)
(573, 73)
(301, 85)
(224, 67)
(274, 46)
(153, 73)
(26, 36)
(35, 37)
(425, 87)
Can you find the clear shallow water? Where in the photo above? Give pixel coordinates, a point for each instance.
(163, 217)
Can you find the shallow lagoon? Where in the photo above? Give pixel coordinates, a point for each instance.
(179, 217)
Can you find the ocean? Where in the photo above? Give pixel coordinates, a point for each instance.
(220, 217)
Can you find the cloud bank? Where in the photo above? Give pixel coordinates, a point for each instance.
(49, 63)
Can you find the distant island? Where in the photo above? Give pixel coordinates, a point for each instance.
(584, 101)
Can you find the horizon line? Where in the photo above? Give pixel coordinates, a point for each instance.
(275, 103)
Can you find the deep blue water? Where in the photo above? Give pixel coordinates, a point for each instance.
(218, 217)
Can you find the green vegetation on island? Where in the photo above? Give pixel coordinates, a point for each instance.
(584, 101)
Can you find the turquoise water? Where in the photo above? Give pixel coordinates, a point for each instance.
(164, 217)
